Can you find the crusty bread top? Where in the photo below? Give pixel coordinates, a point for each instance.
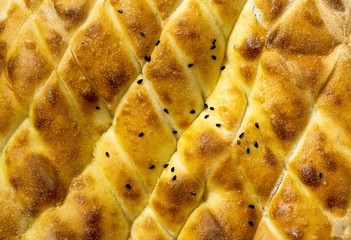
(175, 119)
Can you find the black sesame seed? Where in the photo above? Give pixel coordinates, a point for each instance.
(165, 110)
(213, 57)
(147, 58)
(141, 134)
(251, 206)
(212, 108)
(218, 125)
(120, 10)
(238, 142)
(320, 175)
(165, 165)
(107, 154)
(192, 111)
(247, 150)
(158, 42)
(256, 144)
(142, 34)
(174, 132)
(97, 108)
(251, 223)
(214, 41)
(206, 116)
(256, 125)
(190, 65)
(151, 166)
(128, 186)
(193, 193)
(174, 177)
(172, 169)
(241, 135)
(205, 105)
(222, 68)
(140, 81)
(213, 47)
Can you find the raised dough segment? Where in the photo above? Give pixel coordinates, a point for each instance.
(171, 82)
(118, 171)
(144, 135)
(297, 214)
(195, 33)
(89, 212)
(110, 77)
(12, 16)
(147, 227)
(140, 23)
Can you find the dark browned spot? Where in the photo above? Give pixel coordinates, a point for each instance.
(251, 48)
(90, 96)
(336, 200)
(55, 43)
(37, 181)
(93, 224)
(336, 5)
(310, 176)
(52, 95)
(269, 156)
(313, 18)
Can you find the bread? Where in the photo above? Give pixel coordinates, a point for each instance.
(175, 119)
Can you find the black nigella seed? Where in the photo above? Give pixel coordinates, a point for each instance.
(212, 108)
(213, 57)
(205, 105)
(247, 150)
(218, 125)
(192, 111)
(128, 186)
(142, 34)
(213, 47)
(120, 10)
(256, 144)
(165, 110)
(222, 68)
(151, 166)
(241, 135)
(251, 206)
(256, 125)
(165, 165)
(174, 132)
(190, 65)
(206, 116)
(141, 134)
(174, 177)
(140, 81)
(251, 223)
(238, 142)
(147, 58)
(214, 41)
(172, 169)
(97, 108)
(320, 175)
(107, 154)
(193, 193)
(158, 42)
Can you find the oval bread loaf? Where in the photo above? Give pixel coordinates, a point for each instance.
(175, 119)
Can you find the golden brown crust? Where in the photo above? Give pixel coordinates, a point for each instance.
(166, 119)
